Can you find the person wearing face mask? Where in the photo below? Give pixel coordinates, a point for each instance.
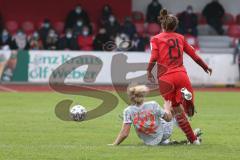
(5, 39)
(112, 26)
(128, 27)
(85, 40)
(35, 42)
(214, 13)
(100, 40)
(51, 41)
(43, 31)
(106, 12)
(75, 15)
(68, 42)
(188, 22)
(20, 41)
(78, 27)
(153, 10)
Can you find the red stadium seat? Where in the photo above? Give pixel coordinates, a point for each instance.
(59, 27)
(228, 19)
(234, 31)
(140, 28)
(28, 27)
(238, 19)
(138, 16)
(12, 26)
(153, 28)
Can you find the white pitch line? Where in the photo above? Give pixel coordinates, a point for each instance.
(8, 89)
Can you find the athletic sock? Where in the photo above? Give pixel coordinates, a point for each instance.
(184, 124)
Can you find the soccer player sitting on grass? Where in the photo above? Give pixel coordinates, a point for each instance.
(153, 124)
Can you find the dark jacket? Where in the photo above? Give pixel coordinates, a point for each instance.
(187, 20)
(99, 42)
(112, 29)
(153, 12)
(129, 29)
(73, 17)
(68, 43)
(213, 10)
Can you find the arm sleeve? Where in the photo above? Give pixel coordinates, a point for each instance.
(154, 54)
(192, 53)
(127, 117)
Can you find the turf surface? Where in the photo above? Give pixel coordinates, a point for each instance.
(29, 130)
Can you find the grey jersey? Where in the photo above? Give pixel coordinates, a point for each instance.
(147, 121)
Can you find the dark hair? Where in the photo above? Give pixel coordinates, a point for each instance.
(168, 21)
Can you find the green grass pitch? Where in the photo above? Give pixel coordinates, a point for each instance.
(29, 130)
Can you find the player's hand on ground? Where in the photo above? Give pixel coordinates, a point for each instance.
(209, 71)
(150, 77)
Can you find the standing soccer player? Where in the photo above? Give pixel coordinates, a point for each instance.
(167, 51)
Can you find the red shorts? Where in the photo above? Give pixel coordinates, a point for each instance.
(177, 81)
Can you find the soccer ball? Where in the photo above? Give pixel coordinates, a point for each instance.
(78, 113)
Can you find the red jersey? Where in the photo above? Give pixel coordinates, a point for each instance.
(167, 50)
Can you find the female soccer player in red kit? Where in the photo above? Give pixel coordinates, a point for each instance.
(167, 51)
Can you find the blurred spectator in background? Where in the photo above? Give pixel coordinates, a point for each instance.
(5, 39)
(128, 27)
(236, 57)
(35, 42)
(75, 15)
(106, 12)
(77, 29)
(137, 43)
(85, 40)
(51, 40)
(188, 22)
(20, 41)
(153, 11)
(112, 26)
(44, 30)
(68, 42)
(214, 13)
(100, 40)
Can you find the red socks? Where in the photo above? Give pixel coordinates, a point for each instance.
(185, 126)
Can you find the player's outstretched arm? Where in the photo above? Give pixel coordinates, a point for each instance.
(123, 134)
(153, 59)
(192, 53)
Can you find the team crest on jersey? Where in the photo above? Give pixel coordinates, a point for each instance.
(145, 122)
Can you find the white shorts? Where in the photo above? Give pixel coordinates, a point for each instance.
(167, 130)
